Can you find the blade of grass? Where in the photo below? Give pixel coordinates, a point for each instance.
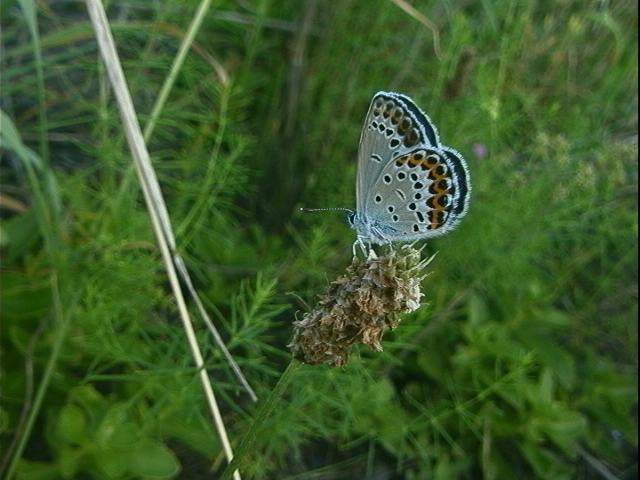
(193, 29)
(43, 188)
(29, 9)
(409, 9)
(167, 229)
(263, 415)
(48, 206)
(154, 201)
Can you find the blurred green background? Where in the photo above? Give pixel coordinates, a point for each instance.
(521, 364)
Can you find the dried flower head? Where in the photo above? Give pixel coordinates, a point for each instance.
(359, 306)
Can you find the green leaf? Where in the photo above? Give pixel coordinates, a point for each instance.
(69, 461)
(90, 400)
(22, 297)
(28, 470)
(124, 435)
(152, 459)
(20, 234)
(565, 430)
(546, 464)
(110, 464)
(546, 387)
(72, 425)
(116, 431)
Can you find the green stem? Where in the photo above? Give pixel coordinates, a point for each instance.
(263, 415)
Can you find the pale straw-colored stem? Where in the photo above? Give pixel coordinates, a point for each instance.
(153, 198)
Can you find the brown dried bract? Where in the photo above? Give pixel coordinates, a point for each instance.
(359, 306)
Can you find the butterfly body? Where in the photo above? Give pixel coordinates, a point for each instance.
(410, 186)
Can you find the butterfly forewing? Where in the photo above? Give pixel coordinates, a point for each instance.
(418, 196)
(391, 128)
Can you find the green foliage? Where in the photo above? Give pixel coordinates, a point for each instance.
(96, 437)
(521, 364)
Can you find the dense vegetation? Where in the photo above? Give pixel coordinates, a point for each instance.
(522, 363)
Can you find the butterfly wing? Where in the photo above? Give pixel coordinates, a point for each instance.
(393, 127)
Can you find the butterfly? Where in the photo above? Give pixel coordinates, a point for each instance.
(409, 186)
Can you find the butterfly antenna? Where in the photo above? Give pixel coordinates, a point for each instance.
(325, 209)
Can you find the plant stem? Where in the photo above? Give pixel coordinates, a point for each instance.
(262, 416)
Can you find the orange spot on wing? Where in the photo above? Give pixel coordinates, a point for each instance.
(437, 188)
(436, 219)
(433, 219)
